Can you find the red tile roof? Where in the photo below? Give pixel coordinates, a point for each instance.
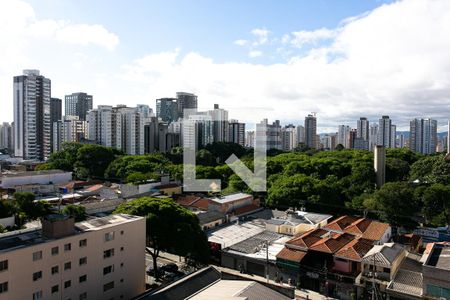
(355, 250)
(246, 209)
(332, 243)
(308, 238)
(365, 228)
(290, 254)
(341, 223)
(194, 202)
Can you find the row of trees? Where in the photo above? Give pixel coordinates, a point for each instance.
(326, 180)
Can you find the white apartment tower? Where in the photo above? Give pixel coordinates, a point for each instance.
(32, 93)
(69, 129)
(423, 136)
(119, 127)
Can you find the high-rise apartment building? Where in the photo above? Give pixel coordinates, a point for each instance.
(102, 258)
(362, 129)
(32, 93)
(379, 164)
(344, 136)
(236, 132)
(69, 129)
(373, 136)
(6, 136)
(272, 133)
(393, 136)
(158, 136)
(167, 109)
(186, 101)
(119, 127)
(385, 132)
(300, 131)
(55, 116)
(78, 104)
(311, 131)
(423, 136)
(145, 110)
(220, 123)
(288, 137)
(250, 139)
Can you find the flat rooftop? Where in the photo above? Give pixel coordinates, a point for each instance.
(33, 173)
(235, 233)
(230, 198)
(440, 257)
(28, 237)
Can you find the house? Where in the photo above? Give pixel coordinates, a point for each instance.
(408, 281)
(169, 189)
(210, 219)
(229, 203)
(362, 227)
(380, 265)
(436, 270)
(296, 222)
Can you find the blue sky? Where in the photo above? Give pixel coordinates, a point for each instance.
(207, 27)
(258, 59)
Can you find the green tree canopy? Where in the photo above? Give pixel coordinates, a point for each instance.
(170, 227)
(78, 212)
(436, 204)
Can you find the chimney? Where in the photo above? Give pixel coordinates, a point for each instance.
(56, 226)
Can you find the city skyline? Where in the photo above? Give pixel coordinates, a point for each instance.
(326, 64)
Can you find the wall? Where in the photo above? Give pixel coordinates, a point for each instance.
(12, 181)
(8, 222)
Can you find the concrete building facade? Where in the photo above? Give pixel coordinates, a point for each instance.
(102, 258)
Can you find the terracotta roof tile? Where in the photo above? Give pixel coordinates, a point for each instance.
(246, 209)
(332, 243)
(341, 223)
(308, 238)
(290, 254)
(355, 250)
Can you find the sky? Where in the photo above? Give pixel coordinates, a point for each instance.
(257, 59)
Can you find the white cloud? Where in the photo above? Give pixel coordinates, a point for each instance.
(375, 64)
(240, 42)
(301, 38)
(255, 53)
(262, 36)
(394, 60)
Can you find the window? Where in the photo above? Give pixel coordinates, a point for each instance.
(37, 275)
(121, 279)
(83, 243)
(3, 265)
(108, 269)
(67, 247)
(82, 278)
(67, 266)
(121, 265)
(67, 284)
(37, 255)
(55, 270)
(108, 286)
(55, 250)
(83, 296)
(37, 295)
(83, 261)
(121, 248)
(108, 253)
(121, 232)
(109, 236)
(3, 287)
(386, 270)
(55, 289)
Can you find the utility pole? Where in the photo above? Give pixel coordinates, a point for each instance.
(267, 261)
